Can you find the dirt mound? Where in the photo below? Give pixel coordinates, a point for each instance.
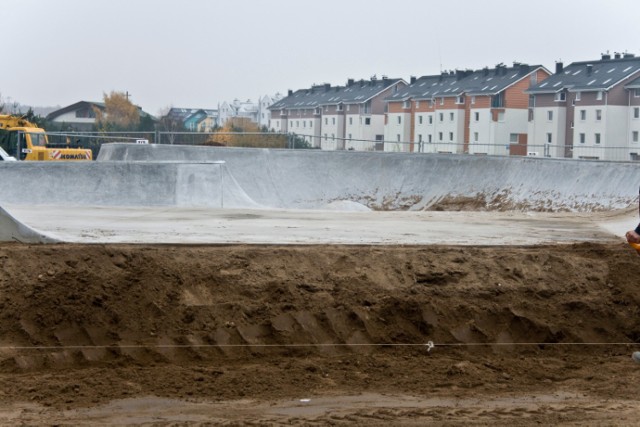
(200, 321)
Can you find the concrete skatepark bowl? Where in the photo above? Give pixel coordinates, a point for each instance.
(193, 285)
(170, 194)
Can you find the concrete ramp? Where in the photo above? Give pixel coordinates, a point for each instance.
(310, 179)
(12, 230)
(169, 183)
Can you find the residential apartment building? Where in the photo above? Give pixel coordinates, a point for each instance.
(476, 112)
(264, 114)
(588, 110)
(349, 117)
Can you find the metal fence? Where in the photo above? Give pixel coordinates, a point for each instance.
(93, 141)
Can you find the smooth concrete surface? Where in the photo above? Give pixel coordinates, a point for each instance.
(177, 194)
(110, 224)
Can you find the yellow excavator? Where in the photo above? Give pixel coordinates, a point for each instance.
(25, 141)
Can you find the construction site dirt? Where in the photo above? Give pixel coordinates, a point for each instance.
(319, 334)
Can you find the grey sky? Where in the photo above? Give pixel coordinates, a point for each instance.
(197, 53)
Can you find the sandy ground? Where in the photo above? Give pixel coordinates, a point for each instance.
(319, 335)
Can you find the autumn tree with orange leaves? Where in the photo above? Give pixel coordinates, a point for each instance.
(119, 113)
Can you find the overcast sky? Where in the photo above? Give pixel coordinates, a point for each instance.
(198, 53)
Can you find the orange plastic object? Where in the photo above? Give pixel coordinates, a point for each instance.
(635, 246)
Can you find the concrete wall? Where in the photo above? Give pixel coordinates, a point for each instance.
(312, 178)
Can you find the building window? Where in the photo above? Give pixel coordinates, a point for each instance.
(441, 117)
(326, 121)
(513, 138)
(473, 100)
(583, 138)
(339, 108)
(599, 95)
(429, 139)
(451, 136)
(561, 96)
(578, 96)
(367, 121)
(549, 138)
(550, 115)
(350, 120)
(501, 116)
(636, 93)
(477, 116)
(583, 115)
(598, 115)
(475, 137)
(636, 113)
(417, 104)
(398, 136)
(290, 123)
(430, 119)
(419, 137)
(440, 136)
(460, 99)
(597, 138)
(406, 104)
(333, 136)
(304, 123)
(634, 136)
(451, 116)
(420, 119)
(349, 136)
(442, 101)
(333, 120)
(325, 136)
(348, 107)
(310, 123)
(399, 120)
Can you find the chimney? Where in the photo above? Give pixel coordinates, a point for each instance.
(589, 69)
(524, 68)
(350, 82)
(629, 55)
(616, 55)
(559, 67)
(327, 87)
(459, 74)
(413, 79)
(606, 56)
(290, 92)
(485, 71)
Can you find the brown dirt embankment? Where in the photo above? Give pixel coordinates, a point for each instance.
(81, 325)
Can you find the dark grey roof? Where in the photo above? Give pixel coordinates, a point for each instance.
(78, 105)
(495, 80)
(588, 76)
(634, 84)
(354, 92)
(427, 87)
(487, 81)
